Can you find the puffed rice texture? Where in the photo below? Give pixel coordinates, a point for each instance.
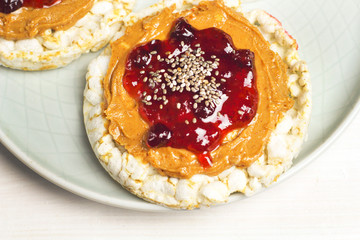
(201, 190)
(54, 49)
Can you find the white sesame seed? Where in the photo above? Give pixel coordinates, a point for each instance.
(187, 72)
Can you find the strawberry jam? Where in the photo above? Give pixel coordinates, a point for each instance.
(192, 88)
(40, 3)
(9, 6)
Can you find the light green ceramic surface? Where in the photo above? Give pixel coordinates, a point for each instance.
(41, 112)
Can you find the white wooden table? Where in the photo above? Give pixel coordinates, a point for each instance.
(322, 201)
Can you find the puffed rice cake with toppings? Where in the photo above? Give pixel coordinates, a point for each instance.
(144, 181)
(54, 49)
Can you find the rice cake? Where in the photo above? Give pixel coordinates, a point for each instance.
(145, 181)
(57, 48)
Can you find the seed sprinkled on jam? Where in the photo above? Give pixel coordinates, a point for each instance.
(9, 6)
(192, 88)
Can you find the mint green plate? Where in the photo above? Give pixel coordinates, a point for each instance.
(41, 112)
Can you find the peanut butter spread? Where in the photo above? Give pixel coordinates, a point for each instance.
(241, 147)
(27, 23)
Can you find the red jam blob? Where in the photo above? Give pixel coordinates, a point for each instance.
(9, 6)
(192, 88)
(40, 3)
